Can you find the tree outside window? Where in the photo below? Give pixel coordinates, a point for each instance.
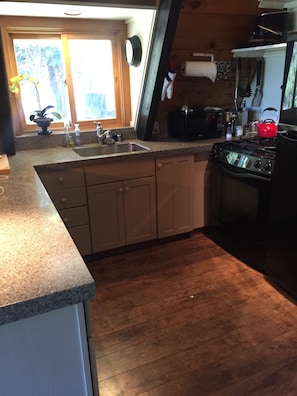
(90, 82)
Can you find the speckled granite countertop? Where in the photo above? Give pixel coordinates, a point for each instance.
(40, 268)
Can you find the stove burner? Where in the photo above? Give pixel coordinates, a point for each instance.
(252, 155)
(253, 145)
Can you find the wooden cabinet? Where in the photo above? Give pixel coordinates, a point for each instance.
(122, 203)
(174, 177)
(199, 187)
(68, 192)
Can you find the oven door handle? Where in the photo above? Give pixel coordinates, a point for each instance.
(244, 175)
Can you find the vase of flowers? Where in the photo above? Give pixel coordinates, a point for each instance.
(42, 117)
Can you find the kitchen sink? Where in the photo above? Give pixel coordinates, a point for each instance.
(109, 149)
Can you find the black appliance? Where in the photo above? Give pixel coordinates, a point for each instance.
(288, 113)
(281, 250)
(271, 27)
(281, 254)
(240, 173)
(195, 123)
(6, 126)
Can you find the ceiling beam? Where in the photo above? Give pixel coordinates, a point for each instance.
(103, 3)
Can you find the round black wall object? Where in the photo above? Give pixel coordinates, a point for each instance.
(133, 51)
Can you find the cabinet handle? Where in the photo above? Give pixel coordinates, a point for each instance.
(61, 179)
(127, 188)
(160, 165)
(121, 189)
(66, 220)
(63, 199)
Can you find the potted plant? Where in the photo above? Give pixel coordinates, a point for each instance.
(42, 117)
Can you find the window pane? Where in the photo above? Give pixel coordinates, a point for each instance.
(43, 60)
(93, 81)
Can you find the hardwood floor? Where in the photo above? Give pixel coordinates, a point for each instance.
(186, 318)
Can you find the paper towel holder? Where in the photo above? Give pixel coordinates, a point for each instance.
(224, 68)
(201, 54)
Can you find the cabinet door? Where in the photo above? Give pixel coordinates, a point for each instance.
(69, 197)
(174, 195)
(200, 216)
(106, 211)
(140, 209)
(60, 179)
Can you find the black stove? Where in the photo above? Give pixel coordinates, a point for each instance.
(252, 155)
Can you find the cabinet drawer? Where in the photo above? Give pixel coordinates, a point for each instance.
(81, 238)
(57, 180)
(75, 216)
(69, 198)
(108, 173)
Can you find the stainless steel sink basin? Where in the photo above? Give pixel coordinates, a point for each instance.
(109, 149)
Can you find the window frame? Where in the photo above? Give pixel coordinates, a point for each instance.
(65, 28)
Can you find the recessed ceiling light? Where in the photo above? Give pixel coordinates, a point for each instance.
(73, 12)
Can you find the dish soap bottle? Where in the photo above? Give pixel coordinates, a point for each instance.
(77, 135)
(68, 137)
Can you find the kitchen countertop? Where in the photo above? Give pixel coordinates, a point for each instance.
(41, 268)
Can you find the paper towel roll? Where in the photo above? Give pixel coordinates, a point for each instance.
(199, 69)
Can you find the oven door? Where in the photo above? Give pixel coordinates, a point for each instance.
(240, 200)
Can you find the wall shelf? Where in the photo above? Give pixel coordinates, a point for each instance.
(275, 4)
(259, 51)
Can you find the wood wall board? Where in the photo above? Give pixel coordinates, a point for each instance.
(229, 7)
(208, 26)
(200, 92)
(200, 32)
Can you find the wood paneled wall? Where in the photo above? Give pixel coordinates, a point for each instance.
(209, 26)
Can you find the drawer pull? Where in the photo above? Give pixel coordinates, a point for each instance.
(121, 189)
(61, 179)
(66, 220)
(127, 189)
(63, 199)
(160, 165)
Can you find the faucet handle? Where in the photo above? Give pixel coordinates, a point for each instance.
(99, 128)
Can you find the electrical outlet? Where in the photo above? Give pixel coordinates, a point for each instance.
(156, 128)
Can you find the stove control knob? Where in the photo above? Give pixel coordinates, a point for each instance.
(258, 164)
(268, 166)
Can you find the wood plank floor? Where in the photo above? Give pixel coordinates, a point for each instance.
(187, 319)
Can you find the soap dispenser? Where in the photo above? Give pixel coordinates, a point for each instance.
(77, 135)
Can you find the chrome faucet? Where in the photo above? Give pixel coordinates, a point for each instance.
(103, 136)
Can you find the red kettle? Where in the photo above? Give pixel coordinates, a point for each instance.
(268, 128)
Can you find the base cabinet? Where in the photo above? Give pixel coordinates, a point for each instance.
(68, 193)
(122, 203)
(174, 177)
(48, 354)
(200, 215)
(121, 212)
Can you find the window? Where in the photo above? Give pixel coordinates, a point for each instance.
(82, 75)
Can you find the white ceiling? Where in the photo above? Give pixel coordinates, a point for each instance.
(58, 11)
